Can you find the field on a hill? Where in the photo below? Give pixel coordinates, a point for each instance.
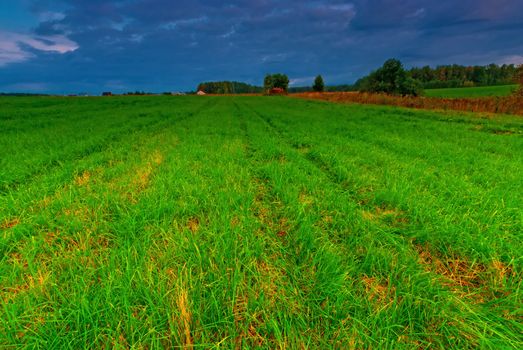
(235, 222)
(482, 91)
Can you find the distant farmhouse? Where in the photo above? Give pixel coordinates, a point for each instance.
(107, 93)
(277, 91)
(201, 93)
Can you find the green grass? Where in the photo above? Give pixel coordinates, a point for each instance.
(483, 91)
(230, 222)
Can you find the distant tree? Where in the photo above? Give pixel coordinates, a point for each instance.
(276, 81)
(392, 79)
(388, 78)
(319, 85)
(268, 82)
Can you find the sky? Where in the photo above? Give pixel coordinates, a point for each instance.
(74, 46)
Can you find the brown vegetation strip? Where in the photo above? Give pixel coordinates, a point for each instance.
(379, 291)
(9, 224)
(457, 272)
(82, 180)
(505, 105)
(474, 280)
(185, 315)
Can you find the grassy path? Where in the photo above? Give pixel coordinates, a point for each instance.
(257, 222)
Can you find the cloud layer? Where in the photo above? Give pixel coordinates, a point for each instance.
(16, 47)
(93, 45)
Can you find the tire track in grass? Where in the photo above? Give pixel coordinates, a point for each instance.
(318, 253)
(268, 329)
(249, 321)
(250, 327)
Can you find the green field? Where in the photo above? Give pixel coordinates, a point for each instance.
(483, 91)
(242, 222)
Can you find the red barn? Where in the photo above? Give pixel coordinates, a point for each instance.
(277, 91)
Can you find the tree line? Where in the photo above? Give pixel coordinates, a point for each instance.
(228, 87)
(451, 76)
(391, 78)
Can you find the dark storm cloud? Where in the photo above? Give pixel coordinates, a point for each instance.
(93, 45)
